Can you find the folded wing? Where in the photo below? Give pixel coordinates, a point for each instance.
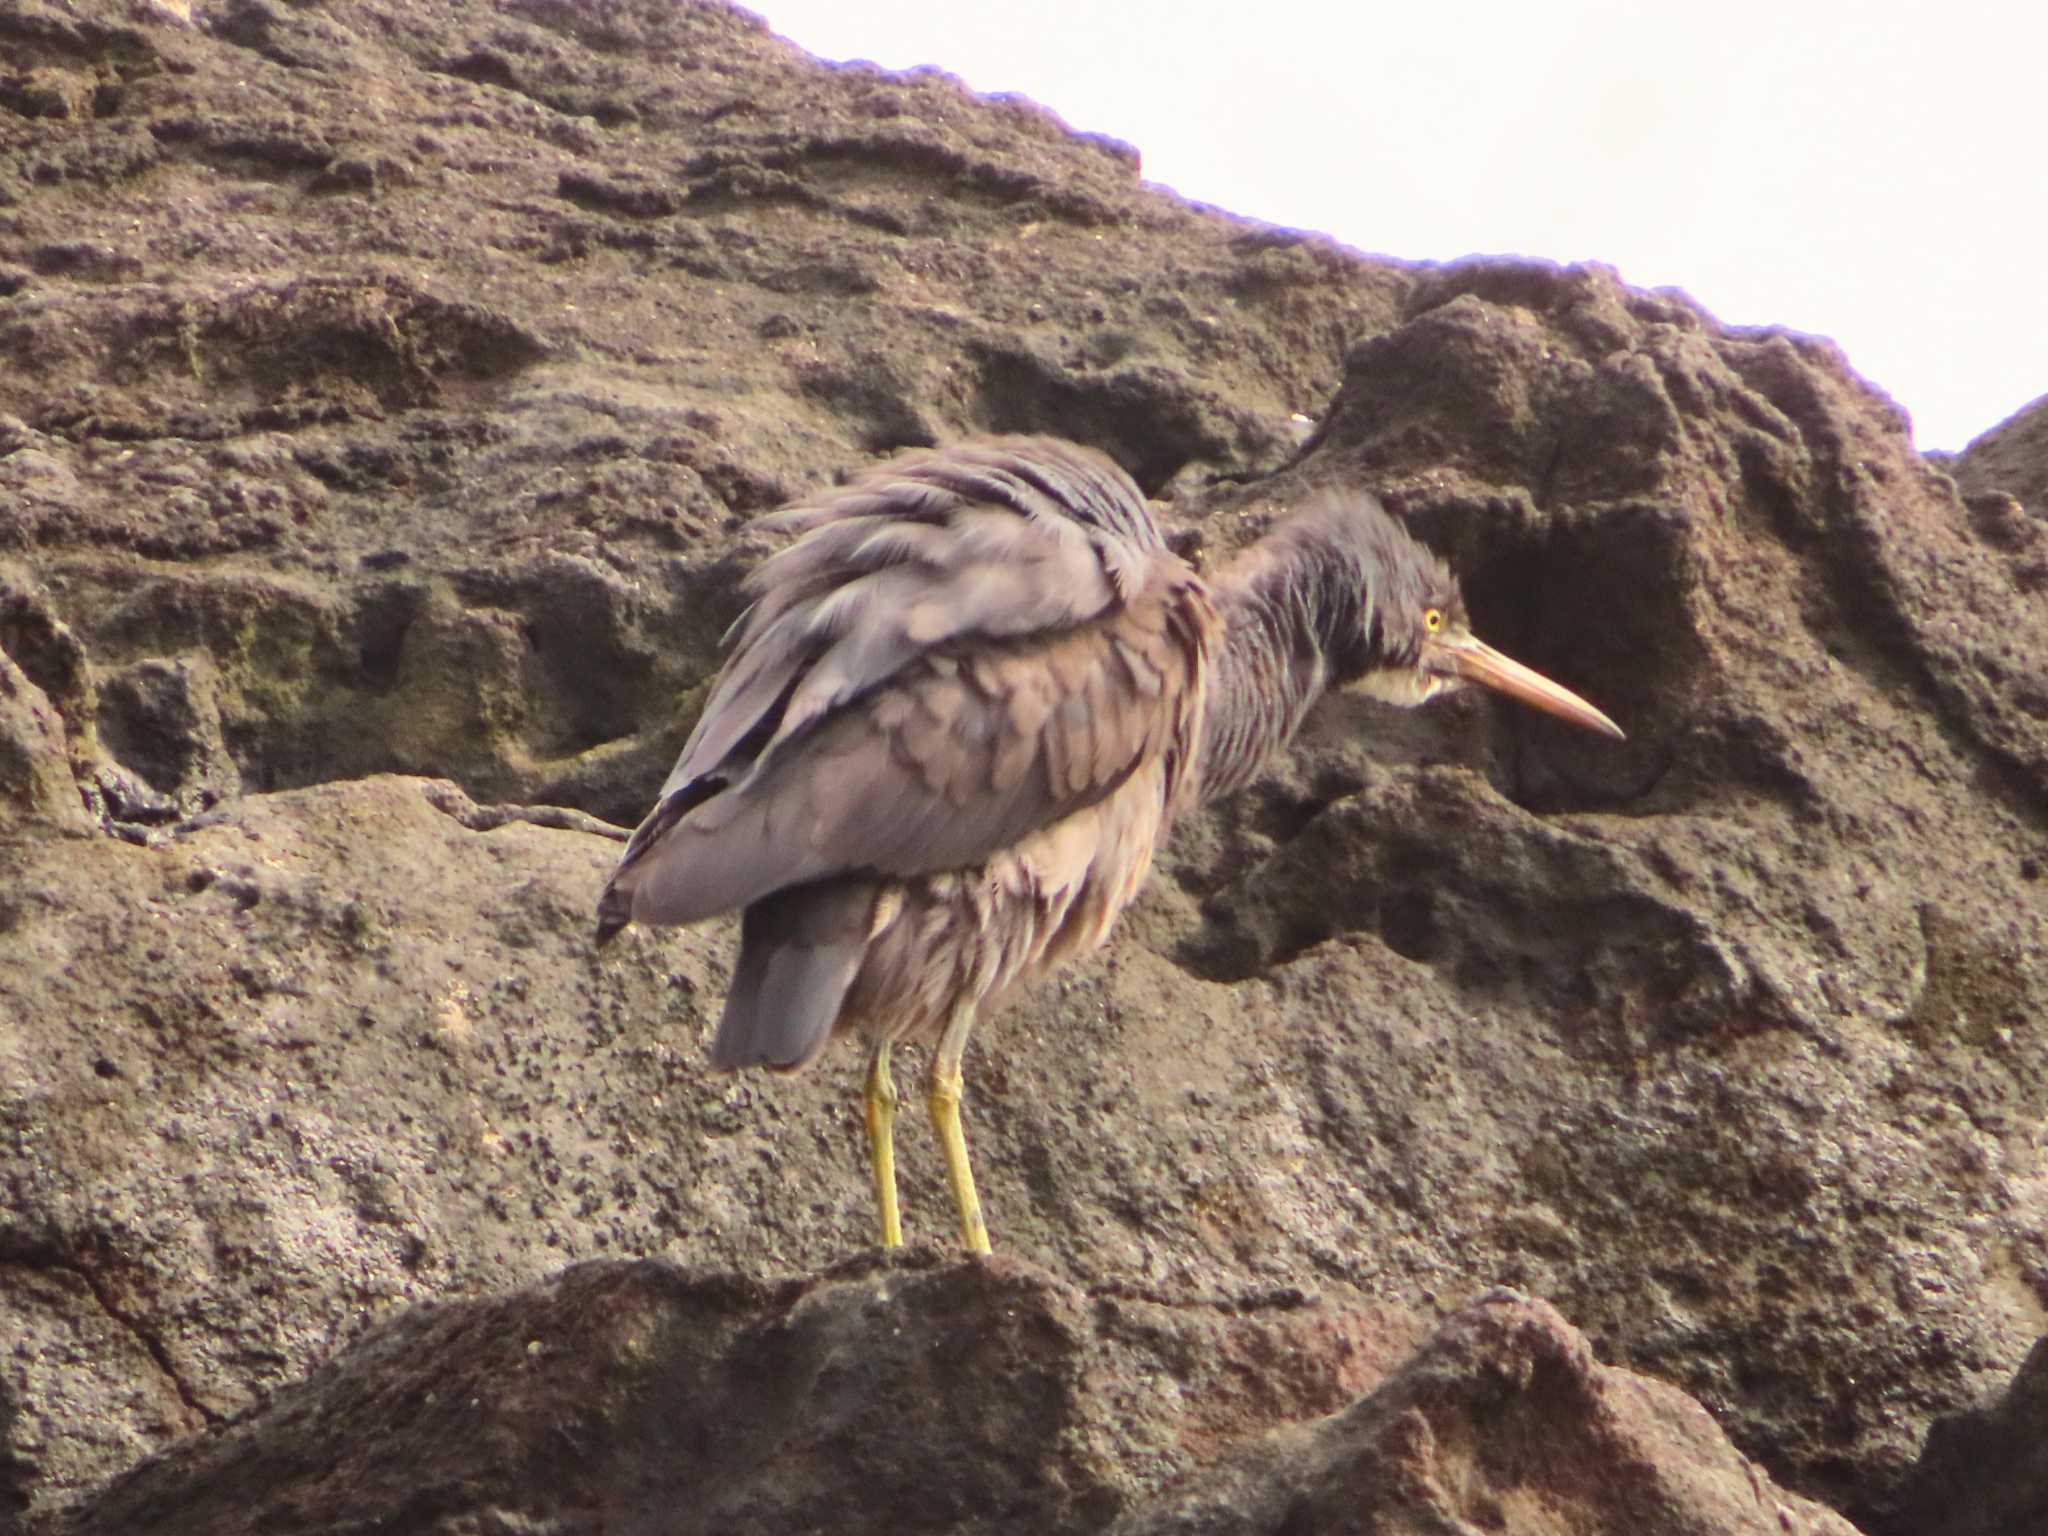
(960, 647)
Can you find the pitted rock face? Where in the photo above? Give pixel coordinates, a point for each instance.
(388, 392)
(663, 1400)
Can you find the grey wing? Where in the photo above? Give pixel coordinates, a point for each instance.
(950, 657)
(997, 538)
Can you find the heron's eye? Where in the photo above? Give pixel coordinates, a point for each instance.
(1433, 619)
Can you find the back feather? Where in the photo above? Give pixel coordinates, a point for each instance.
(988, 552)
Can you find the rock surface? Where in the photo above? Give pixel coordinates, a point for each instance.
(632, 1397)
(386, 392)
(1502, 1421)
(1985, 1471)
(2004, 479)
(2012, 458)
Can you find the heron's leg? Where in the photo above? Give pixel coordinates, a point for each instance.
(945, 1106)
(881, 1102)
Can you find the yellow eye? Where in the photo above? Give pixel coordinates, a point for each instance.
(1433, 619)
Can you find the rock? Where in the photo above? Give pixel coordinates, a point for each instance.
(922, 1394)
(1985, 1470)
(2004, 478)
(36, 787)
(214, 1016)
(2011, 458)
(1732, 546)
(375, 463)
(47, 93)
(1502, 1421)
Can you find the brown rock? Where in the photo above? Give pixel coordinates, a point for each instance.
(909, 1394)
(36, 787)
(1502, 1421)
(387, 392)
(1985, 1471)
(2004, 479)
(923, 1394)
(2011, 458)
(47, 93)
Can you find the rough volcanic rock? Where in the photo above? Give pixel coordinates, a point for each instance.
(2012, 458)
(1985, 1471)
(2004, 479)
(917, 1394)
(34, 786)
(432, 407)
(385, 390)
(1502, 1421)
(1756, 998)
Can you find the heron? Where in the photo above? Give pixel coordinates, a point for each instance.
(963, 708)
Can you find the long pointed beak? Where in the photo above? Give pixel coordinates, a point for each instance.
(1477, 662)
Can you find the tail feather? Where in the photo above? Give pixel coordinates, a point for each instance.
(799, 951)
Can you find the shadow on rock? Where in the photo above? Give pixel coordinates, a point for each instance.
(916, 1393)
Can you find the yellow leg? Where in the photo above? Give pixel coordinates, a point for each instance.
(881, 1102)
(946, 1088)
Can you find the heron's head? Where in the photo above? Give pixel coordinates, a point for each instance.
(1411, 638)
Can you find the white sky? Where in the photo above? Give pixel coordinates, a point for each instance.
(1840, 168)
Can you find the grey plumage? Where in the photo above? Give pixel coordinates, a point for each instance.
(799, 950)
(959, 650)
(966, 703)
(1310, 607)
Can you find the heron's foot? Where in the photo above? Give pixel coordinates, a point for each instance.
(881, 1105)
(945, 1106)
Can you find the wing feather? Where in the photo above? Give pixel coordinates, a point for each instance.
(958, 649)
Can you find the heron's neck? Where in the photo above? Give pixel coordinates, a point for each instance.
(1284, 604)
